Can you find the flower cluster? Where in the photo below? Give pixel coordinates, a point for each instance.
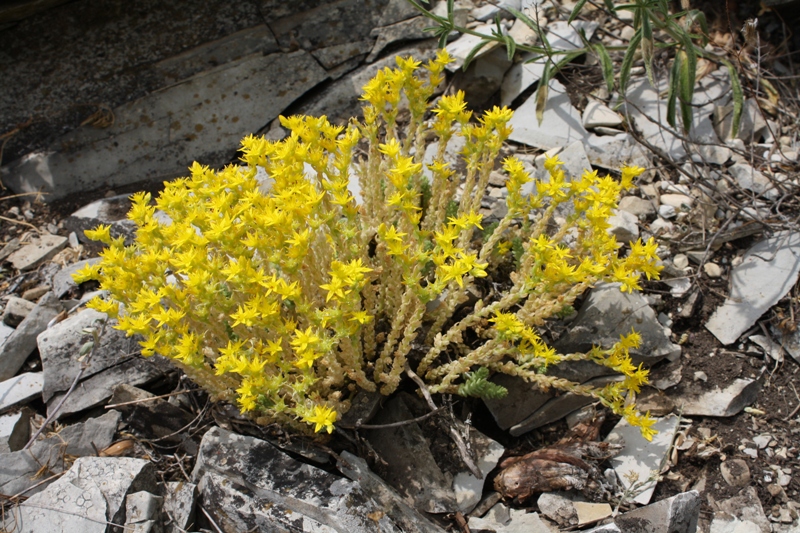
(291, 282)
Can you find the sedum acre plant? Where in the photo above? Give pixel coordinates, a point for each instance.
(287, 296)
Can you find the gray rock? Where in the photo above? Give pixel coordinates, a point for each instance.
(238, 475)
(407, 30)
(411, 469)
(523, 34)
(155, 136)
(624, 226)
(341, 100)
(563, 36)
(333, 56)
(639, 207)
(613, 151)
(257, 39)
(561, 122)
(639, 458)
(179, 506)
(63, 282)
(608, 313)
(746, 507)
(59, 347)
(37, 252)
(678, 201)
(519, 77)
(469, 489)
(20, 390)
(483, 77)
(788, 341)
(559, 407)
(110, 211)
(735, 472)
(575, 162)
(648, 111)
(497, 518)
(752, 180)
(16, 310)
(597, 114)
(678, 514)
(155, 418)
(461, 47)
(523, 398)
(15, 430)
(558, 507)
(142, 510)
(89, 495)
(5, 332)
(667, 211)
(768, 271)
(407, 518)
(728, 401)
(725, 523)
(9, 248)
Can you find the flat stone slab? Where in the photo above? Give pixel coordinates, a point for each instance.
(20, 389)
(89, 495)
(63, 282)
(238, 475)
(768, 271)
(200, 119)
(42, 249)
(639, 457)
(678, 514)
(608, 313)
(561, 122)
(461, 47)
(18, 469)
(469, 489)
(726, 401)
(596, 114)
(411, 468)
(14, 430)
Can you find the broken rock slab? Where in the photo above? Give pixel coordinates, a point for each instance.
(179, 506)
(18, 469)
(746, 506)
(568, 511)
(609, 313)
(727, 401)
(63, 282)
(461, 47)
(559, 407)
(202, 118)
(407, 518)
(411, 468)
(109, 365)
(752, 180)
(769, 269)
(91, 494)
(16, 310)
(469, 489)
(109, 211)
(37, 252)
(142, 512)
(15, 430)
(248, 484)
(678, 514)
(561, 122)
(640, 458)
(597, 114)
(20, 390)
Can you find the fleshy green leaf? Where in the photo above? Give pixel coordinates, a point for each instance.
(738, 97)
(627, 61)
(477, 385)
(606, 63)
(576, 10)
(672, 95)
(474, 51)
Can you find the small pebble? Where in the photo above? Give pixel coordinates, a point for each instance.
(680, 261)
(667, 211)
(712, 270)
(700, 376)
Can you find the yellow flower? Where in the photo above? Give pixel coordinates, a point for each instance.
(101, 233)
(323, 417)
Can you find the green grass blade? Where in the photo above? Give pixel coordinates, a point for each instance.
(738, 97)
(672, 95)
(542, 92)
(686, 74)
(576, 11)
(606, 64)
(627, 61)
(475, 50)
